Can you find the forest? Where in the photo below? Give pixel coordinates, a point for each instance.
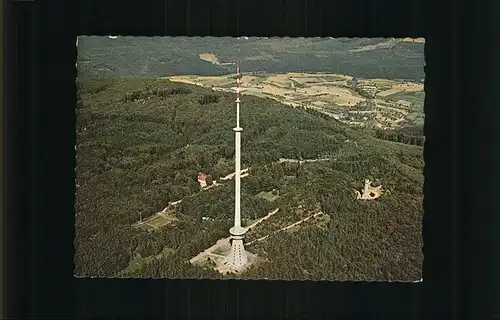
(165, 56)
(142, 141)
(411, 135)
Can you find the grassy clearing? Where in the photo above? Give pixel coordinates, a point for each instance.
(269, 196)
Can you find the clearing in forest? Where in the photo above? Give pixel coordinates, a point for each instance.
(267, 195)
(156, 221)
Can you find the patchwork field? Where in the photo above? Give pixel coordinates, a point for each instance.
(381, 103)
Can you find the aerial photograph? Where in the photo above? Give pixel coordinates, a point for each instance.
(249, 158)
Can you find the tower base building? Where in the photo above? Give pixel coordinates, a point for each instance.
(237, 257)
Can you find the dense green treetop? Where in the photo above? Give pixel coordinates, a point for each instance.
(156, 56)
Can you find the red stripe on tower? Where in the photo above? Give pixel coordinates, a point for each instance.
(238, 73)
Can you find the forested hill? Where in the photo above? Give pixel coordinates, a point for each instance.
(156, 56)
(142, 141)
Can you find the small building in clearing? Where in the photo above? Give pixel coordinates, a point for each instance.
(202, 180)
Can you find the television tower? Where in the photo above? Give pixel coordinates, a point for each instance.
(237, 255)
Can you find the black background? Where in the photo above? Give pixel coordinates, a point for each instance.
(461, 155)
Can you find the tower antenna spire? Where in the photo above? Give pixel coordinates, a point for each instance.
(238, 77)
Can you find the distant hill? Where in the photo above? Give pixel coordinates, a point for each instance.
(157, 56)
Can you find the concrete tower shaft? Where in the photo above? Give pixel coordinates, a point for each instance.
(237, 256)
(237, 229)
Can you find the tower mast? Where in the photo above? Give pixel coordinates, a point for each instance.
(237, 162)
(237, 255)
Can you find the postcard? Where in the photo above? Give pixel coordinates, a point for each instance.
(250, 158)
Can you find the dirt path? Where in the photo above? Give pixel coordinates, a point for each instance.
(398, 110)
(386, 44)
(285, 228)
(223, 243)
(243, 173)
(228, 177)
(282, 160)
(269, 215)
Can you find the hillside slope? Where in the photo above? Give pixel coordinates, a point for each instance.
(375, 103)
(156, 56)
(141, 143)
